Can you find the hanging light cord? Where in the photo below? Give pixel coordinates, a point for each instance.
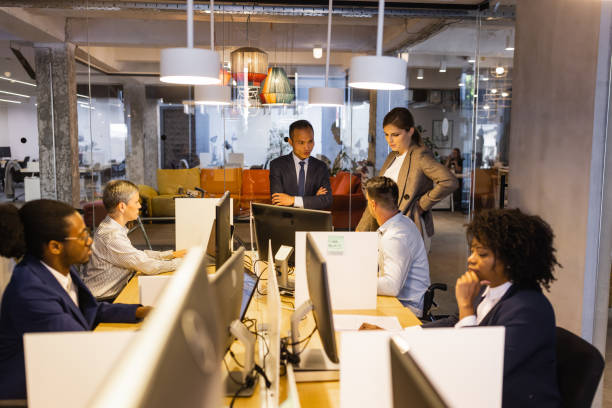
(381, 23)
(329, 22)
(189, 23)
(212, 25)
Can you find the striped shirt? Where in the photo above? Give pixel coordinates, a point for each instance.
(114, 259)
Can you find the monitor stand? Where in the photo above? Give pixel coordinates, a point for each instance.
(281, 261)
(314, 364)
(238, 377)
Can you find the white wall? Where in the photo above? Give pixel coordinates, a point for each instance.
(17, 121)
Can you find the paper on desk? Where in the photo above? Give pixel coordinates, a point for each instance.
(344, 322)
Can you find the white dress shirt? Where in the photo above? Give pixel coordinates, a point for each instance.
(403, 269)
(298, 200)
(65, 282)
(114, 258)
(491, 297)
(394, 169)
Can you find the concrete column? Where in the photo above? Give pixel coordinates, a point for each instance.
(558, 144)
(57, 122)
(151, 142)
(134, 100)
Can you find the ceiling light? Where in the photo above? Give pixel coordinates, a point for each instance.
(493, 91)
(16, 81)
(15, 94)
(191, 66)
(471, 60)
(378, 72)
(443, 66)
(326, 96)
(461, 84)
(500, 70)
(504, 94)
(420, 74)
(9, 101)
(212, 95)
(509, 44)
(317, 52)
(82, 96)
(485, 107)
(484, 78)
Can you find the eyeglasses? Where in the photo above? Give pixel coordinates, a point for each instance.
(83, 236)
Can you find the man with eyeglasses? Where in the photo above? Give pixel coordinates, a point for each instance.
(114, 259)
(45, 293)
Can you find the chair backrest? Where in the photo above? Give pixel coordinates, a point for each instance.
(579, 369)
(169, 180)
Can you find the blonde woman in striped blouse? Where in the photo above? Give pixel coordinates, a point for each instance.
(114, 259)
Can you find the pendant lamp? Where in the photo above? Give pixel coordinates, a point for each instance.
(213, 94)
(326, 96)
(276, 89)
(190, 66)
(378, 72)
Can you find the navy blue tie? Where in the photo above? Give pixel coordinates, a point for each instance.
(301, 179)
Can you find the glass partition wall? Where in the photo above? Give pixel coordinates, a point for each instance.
(129, 124)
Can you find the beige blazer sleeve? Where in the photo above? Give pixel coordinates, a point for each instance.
(444, 182)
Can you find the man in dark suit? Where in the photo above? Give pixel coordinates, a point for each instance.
(45, 293)
(298, 180)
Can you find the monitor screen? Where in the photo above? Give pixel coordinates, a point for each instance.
(227, 285)
(249, 287)
(318, 288)
(279, 224)
(410, 385)
(223, 249)
(5, 151)
(175, 359)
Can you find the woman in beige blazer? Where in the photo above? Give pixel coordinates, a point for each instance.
(422, 181)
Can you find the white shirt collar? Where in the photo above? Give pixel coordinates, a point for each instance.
(64, 280)
(115, 224)
(297, 160)
(497, 292)
(389, 222)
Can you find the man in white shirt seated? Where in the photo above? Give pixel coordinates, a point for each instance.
(114, 258)
(403, 269)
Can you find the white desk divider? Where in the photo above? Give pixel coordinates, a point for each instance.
(352, 268)
(272, 364)
(64, 369)
(150, 287)
(194, 221)
(443, 354)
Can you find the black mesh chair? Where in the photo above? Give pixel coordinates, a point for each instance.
(579, 369)
(428, 302)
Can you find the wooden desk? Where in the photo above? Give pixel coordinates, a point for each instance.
(315, 394)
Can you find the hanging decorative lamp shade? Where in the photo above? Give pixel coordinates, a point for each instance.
(276, 88)
(256, 62)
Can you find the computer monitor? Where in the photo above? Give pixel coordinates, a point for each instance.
(175, 359)
(318, 288)
(227, 285)
(5, 152)
(249, 287)
(410, 385)
(279, 224)
(223, 230)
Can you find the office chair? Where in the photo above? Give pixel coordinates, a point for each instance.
(579, 369)
(428, 302)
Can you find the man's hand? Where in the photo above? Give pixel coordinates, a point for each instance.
(321, 191)
(282, 199)
(179, 254)
(466, 291)
(369, 326)
(143, 311)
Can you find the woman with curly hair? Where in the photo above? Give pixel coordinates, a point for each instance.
(11, 242)
(512, 258)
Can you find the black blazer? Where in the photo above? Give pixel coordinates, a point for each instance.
(283, 179)
(34, 301)
(530, 376)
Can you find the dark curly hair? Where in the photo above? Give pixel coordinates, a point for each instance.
(12, 241)
(522, 242)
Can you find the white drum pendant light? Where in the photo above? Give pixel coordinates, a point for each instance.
(190, 66)
(326, 96)
(212, 94)
(378, 72)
